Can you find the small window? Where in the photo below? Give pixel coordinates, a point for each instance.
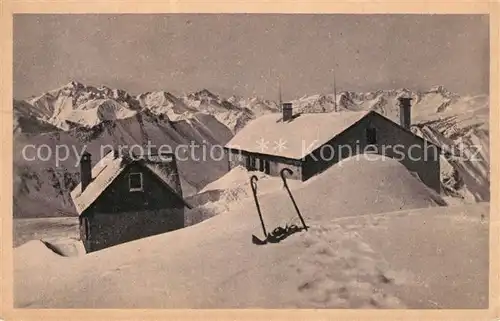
(135, 182)
(267, 167)
(86, 227)
(258, 164)
(251, 163)
(371, 136)
(264, 166)
(261, 165)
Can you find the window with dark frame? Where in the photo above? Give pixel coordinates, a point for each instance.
(261, 165)
(266, 166)
(87, 227)
(135, 182)
(251, 163)
(371, 135)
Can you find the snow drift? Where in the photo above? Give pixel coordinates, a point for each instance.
(355, 254)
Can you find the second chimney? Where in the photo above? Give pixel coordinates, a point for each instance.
(405, 112)
(86, 169)
(287, 112)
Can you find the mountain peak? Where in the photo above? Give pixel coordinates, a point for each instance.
(439, 89)
(73, 84)
(403, 93)
(206, 93)
(162, 94)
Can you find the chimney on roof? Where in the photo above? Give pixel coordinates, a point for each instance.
(405, 112)
(86, 169)
(287, 112)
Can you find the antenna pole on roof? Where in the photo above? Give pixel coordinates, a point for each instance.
(334, 93)
(279, 94)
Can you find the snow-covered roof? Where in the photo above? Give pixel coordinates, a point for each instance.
(105, 172)
(295, 139)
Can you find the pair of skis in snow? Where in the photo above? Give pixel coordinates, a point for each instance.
(275, 236)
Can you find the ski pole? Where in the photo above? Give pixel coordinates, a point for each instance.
(290, 172)
(253, 183)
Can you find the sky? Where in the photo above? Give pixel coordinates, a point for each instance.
(246, 54)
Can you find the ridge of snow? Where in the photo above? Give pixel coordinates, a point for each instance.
(341, 261)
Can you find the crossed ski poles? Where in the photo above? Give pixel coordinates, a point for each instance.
(253, 184)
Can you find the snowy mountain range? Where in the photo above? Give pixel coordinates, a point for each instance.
(78, 114)
(79, 105)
